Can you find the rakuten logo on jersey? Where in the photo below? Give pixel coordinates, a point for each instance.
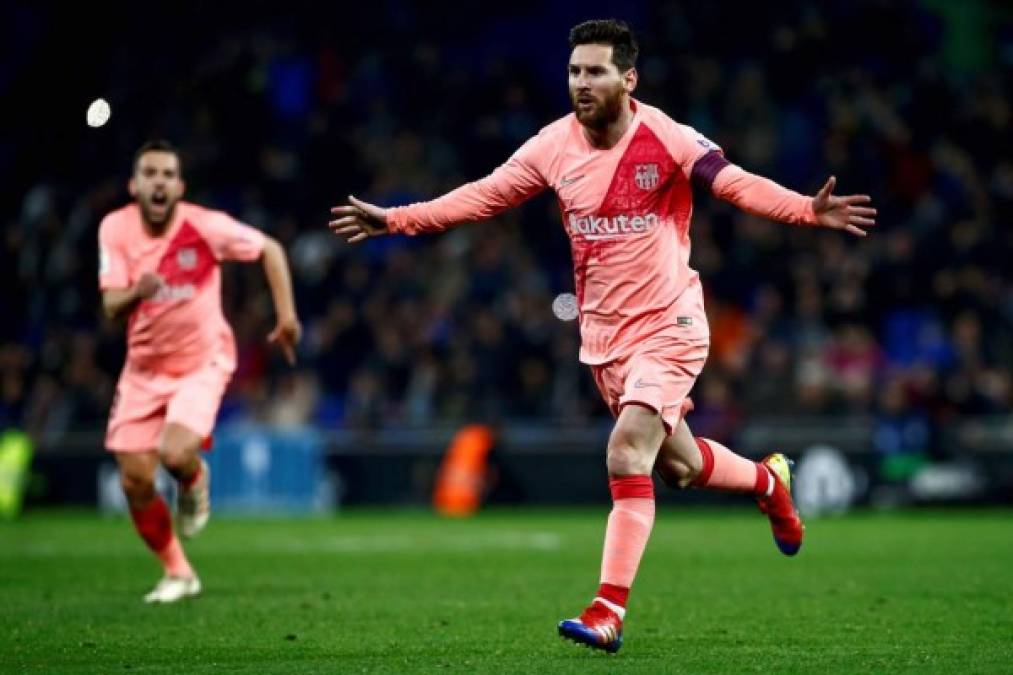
(180, 292)
(603, 227)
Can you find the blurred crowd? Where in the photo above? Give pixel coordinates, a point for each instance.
(280, 117)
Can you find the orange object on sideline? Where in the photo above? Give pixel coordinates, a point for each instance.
(461, 479)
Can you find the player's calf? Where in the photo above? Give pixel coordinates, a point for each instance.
(675, 473)
(154, 525)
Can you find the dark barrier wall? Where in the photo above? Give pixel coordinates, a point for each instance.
(544, 465)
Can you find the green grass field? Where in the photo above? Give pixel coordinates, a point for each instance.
(399, 592)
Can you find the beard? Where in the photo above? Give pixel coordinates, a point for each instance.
(601, 114)
(157, 214)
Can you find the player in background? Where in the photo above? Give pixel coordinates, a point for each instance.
(622, 172)
(159, 265)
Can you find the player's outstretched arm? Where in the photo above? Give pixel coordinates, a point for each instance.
(763, 197)
(850, 213)
(287, 331)
(509, 185)
(358, 220)
(119, 301)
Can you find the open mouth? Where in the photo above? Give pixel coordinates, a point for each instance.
(158, 206)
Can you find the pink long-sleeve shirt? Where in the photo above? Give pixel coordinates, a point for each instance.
(182, 327)
(627, 213)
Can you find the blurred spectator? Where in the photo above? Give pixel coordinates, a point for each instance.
(280, 119)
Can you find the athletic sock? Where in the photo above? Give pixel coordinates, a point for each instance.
(154, 524)
(614, 597)
(629, 528)
(724, 470)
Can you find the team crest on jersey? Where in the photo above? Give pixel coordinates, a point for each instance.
(186, 258)
(646, 176)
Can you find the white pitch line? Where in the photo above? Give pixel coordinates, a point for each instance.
(342, 544)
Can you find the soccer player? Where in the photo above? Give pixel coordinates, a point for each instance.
(622, 172)
(159, 264)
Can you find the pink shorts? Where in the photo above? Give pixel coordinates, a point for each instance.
(147, 400)
(659, 375)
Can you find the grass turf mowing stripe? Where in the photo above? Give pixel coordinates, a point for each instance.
(407, 592)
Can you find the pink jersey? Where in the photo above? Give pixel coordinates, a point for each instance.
(182, 327)
(627, 213)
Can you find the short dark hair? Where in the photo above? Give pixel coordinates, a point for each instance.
(608, 32)
(158, 145)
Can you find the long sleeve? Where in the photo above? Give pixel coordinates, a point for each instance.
(511, 184)
(112, 268)
(762, 196)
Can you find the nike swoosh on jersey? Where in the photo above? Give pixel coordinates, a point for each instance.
(640, 384)
(568, 181)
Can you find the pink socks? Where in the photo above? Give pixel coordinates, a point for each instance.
(724, 470)
(629, 527)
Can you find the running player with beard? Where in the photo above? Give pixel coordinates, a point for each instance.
(622, 171)
(159, 265)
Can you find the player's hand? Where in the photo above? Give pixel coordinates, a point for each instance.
(358, 221)
(843, 213)
(148, 285)
(285, 336)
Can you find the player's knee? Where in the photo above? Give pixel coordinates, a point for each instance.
(138, 489)
(177, 456)
(626, 458)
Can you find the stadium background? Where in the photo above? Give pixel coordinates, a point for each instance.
(895, 350)
(882, 363)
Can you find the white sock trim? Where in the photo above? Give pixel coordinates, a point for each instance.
(620, 611)
(770, 484)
